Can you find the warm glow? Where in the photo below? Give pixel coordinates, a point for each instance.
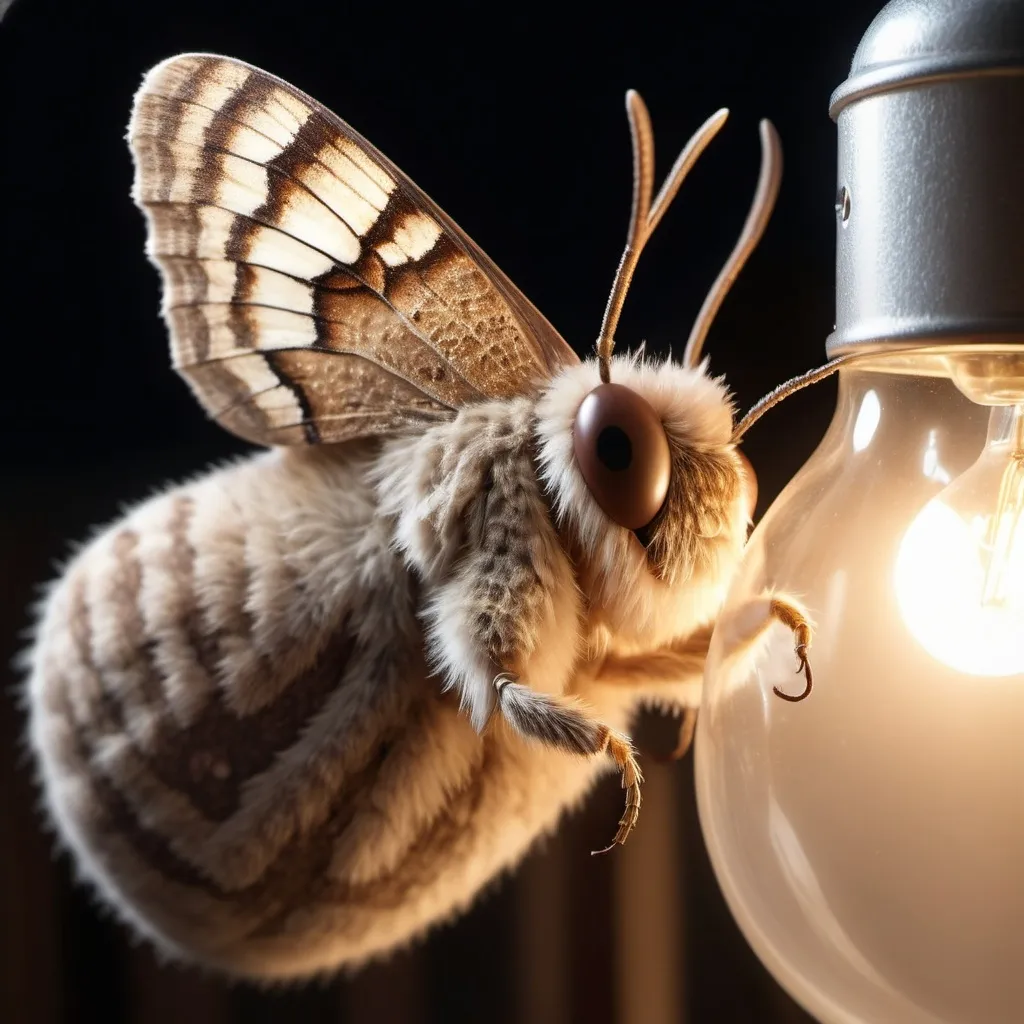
(972, 624)
(869, 840)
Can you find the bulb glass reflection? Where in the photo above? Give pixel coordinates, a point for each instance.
(870, 840)
(959, 576)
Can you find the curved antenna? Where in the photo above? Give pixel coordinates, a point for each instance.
(767, 190)
(759, 408)
(645, 213)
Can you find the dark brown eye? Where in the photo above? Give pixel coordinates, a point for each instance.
(623, 454)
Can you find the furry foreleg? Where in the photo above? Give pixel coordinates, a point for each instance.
(499, 591)
(564, 722)
(668, 679)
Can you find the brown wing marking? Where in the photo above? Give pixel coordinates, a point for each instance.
(279, 229)
(294, 397)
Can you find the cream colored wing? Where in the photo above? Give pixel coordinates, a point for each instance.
(314, 293)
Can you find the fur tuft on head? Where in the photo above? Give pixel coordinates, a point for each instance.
(642, 595)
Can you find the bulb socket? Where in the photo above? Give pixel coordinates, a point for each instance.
(930, 191)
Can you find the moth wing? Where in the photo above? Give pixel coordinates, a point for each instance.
(313, 293)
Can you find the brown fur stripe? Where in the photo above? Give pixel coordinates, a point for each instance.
(428, 850)
(180, 567)
(174, 651)
(225, 750)
(153, 849)
(89, 700)
(297, 866)
(115, 814)
(127, 667)
(221, 751)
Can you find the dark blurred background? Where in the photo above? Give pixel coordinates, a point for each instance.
(511, 117)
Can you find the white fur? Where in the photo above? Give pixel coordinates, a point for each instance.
(432, 486)
(630, 609)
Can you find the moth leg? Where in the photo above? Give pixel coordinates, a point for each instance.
(564, 723)
(790, 616)
(687, 729)
(661, 673)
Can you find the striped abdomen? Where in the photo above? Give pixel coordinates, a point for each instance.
(238, 737)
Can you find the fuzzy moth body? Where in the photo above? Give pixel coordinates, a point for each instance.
(291, 714)
(236, 710)
(240, 738)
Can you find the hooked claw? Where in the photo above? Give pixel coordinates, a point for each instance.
(786, 612)
(805, 667)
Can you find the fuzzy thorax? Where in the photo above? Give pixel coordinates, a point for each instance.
(470, 518)
(521, 570)
(640, 597)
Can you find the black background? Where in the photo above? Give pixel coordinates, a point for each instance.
(511, 118)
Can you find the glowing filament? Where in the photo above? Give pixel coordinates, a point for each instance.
(959, 575)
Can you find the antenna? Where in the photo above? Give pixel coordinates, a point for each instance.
(645, 213)
(790, 387)
(767, 190)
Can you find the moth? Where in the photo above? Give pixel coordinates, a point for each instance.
(293, 712)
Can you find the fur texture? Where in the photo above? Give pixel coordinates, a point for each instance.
(698, 536)
(245, 695)
(474, 525)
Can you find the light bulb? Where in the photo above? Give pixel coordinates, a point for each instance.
(959, 575)
(870, 839)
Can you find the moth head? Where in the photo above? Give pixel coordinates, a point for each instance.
(651, 495)
(622, 448)
(641, 459)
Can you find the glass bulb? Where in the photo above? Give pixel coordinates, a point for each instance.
(870, 840)
(959, 576)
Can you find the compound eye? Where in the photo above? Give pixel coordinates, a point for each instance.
(623, 454)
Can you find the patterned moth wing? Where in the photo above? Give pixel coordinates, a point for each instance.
(314, 293)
